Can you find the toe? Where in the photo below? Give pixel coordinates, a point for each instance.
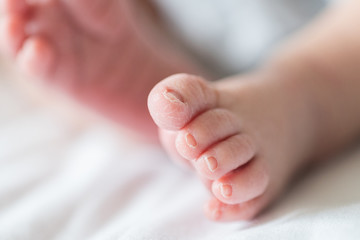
(243, 184)
(12, 34)
(204, 131)
(167, 139)
(218, 211)
(37, 57)
(225, 156)
(207, 183)
(13, 6)
(178, 99)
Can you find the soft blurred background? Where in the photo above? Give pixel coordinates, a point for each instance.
(66, 174)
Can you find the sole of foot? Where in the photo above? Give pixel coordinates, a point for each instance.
(102, 53)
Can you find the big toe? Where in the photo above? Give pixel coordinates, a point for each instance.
(178, 99)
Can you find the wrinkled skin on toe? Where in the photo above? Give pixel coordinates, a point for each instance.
(237, 134)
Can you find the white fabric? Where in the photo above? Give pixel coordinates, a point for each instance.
(62, 182)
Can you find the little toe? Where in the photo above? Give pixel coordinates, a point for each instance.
(244, 184)
(206, 130)
(221, 212)
(12, 34)
(37, 57)
(178, 99)
(225, 156)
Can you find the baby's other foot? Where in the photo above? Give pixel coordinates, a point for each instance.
(101, 52)
(246, 136)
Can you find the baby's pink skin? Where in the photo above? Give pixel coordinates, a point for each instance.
(238, 136)
(101, 52)
(247, 136)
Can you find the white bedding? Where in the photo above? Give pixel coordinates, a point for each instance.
(59, 181)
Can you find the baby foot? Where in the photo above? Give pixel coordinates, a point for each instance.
(247, 137)
(102, 52)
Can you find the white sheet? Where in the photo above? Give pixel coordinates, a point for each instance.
(61, 181)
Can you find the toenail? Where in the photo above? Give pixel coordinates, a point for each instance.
(211, 163)
(190, 141)
(173, 96)
(226, 190)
